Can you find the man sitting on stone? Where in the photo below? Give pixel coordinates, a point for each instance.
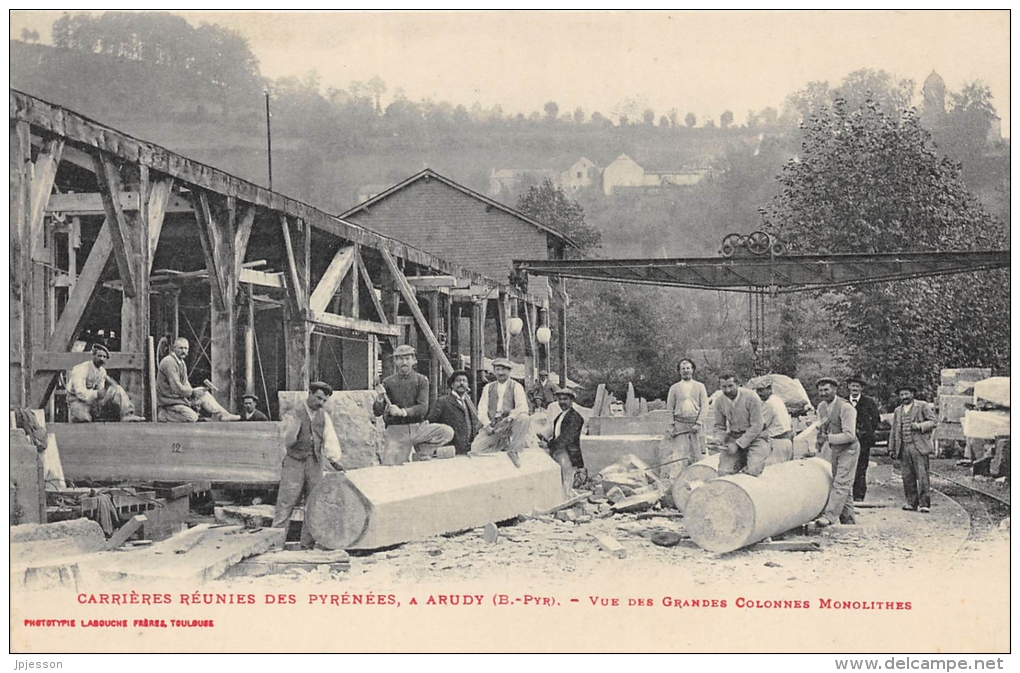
(94, 396)
(778, 426)
(503, 412)
(563, 439)
(403, 400)
(456, 411)
(176, 400)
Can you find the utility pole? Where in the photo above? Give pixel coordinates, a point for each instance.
(269, 140)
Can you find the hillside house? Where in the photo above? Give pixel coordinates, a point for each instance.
(584, 173)
(506, 181)
(624, 172)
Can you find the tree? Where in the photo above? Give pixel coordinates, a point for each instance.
(29, 35)
(597, 119)
(551, 205)
(377, 86)
(649, 116)
(726, 119)
(709, 124)
(867, 181)
(963, 133)
(664, 121)
(674, 117)
(690, 120)
(578, 115)
(552, 110)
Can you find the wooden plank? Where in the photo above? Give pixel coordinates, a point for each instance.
(261, 278)
(335, 273)
(20, 262)
(295, 286)
(782, 545)
(125, 531)
(216, 550)
(343, 322)
(43, 361)
(43, 176)
(91, 203)
(435, 369)
(408, 294)
(208, 236)
(241, 237)
(381, 506)
(431, 282)
(109, 189)
(228, 453)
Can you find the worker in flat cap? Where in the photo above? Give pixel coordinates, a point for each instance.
(777, 425)
(312, 448)
(868, 418)
(402, 399)
(738, 429)
(910, 440)
(94, 396)
(176, 399)
(687, 403)
(544, 390)
(503, 412)
(563, 439)
(838, 428)
(250, 408)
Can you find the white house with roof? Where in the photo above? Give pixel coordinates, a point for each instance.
(625, 172)
(584, 173)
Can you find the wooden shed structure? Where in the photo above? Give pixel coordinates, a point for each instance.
(118, 240)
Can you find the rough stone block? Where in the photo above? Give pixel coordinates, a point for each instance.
(992, 393)
(602, 451)
(986, 424)
(952, 407)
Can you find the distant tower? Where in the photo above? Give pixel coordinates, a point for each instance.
(934, 92)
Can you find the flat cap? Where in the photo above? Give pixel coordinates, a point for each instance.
(760, 382)
(856, 379)
(827, 379)
(253, 396)
(565, 391)
(316, 386)
(543, 373)
(97, 347)
(403, 350)
(502, 362)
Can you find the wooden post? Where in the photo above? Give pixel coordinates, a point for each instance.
(562, 334)
(216, 233)
(477, 348)
(435, 367)
(297, 335)
(502, 335)
(249, 343)
(134, 311)
(453, 332)
(543, 349)
(355, 355)
(20, 262)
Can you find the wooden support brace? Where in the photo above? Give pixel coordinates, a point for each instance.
(408, 294)
(81, 294)
(159, 196)
(242, 236)
(331, 279)
(370, 288)
(109, 188)
(44, 175)
(125, 531)
(295, 285)
(209, 238)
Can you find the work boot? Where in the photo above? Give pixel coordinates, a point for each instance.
(132, 418)
(227, 417)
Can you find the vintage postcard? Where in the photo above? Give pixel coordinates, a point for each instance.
(378, 331)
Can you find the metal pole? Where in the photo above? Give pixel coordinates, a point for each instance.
(269, 140)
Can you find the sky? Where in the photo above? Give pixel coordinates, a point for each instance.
(702, 62)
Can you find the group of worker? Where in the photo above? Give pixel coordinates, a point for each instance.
(753, 429)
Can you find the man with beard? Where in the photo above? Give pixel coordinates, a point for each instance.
(838, 427)
(910, 441)
(738, 427)
(93, 395)
(455, 410)
(687, 401)
(503, 411)
(564, 439)
(868, 418)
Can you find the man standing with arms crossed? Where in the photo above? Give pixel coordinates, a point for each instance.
(403, 400)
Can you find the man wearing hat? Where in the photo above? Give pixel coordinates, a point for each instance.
(456, 411)
(403, 400)
(545, 389)
(503, 412)
(563, 439)
(93, 395)
(176, 399)
(249, 411)
(778, 426)
(910, 440)
(738, 427)
(312, 445)
(868, 418)
(837, 427)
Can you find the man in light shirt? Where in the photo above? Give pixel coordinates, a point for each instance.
(738, 428)
(503, 412)
(94, 396)
(176, 399)
(838, 428)
(778, 426)
(563, 439)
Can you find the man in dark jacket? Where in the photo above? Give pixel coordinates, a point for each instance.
(250, 410)
(563, 439)
(910, 440)
(455, 411)
(868, 418)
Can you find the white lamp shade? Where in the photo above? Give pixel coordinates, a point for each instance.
(543, 335)
(515, 325)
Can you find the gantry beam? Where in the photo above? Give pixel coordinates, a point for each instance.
(789, 273)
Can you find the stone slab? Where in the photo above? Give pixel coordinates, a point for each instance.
(599, 452)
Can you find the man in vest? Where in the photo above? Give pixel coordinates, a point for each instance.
(738, 427)
(455, 410)
(403, 400)
(503, 412)
(176, 400)
(868, 418)
(778, 426)
(311, 444)
(93, 395)
(563, 439)
(838, 427)
(910, 441)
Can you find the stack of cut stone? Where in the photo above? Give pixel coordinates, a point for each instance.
(955, 393)
(986, 425)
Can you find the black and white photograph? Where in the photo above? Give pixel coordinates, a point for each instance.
(525, 331)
